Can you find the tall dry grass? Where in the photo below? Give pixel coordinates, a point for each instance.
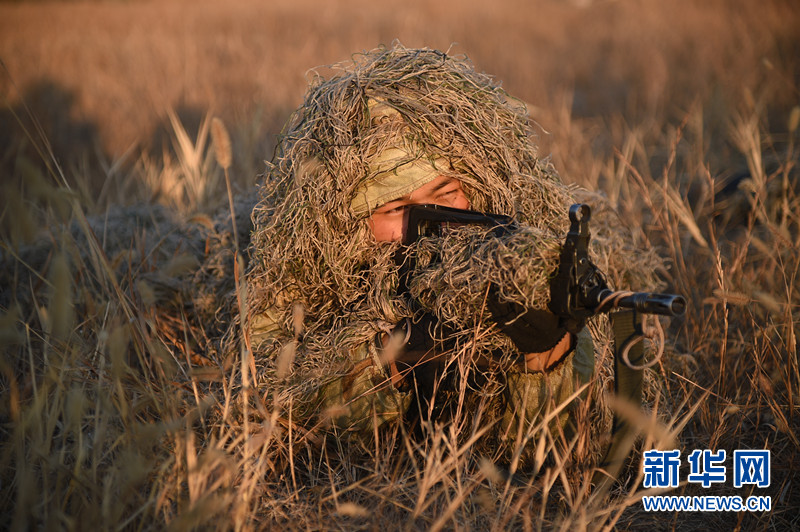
(685, 117)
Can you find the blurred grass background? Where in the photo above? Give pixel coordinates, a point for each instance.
(683, 113)
(101, 76)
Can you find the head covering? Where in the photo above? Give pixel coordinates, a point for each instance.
(396, 170)
(393, 174)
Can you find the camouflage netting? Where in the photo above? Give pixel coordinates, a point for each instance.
(309, 247)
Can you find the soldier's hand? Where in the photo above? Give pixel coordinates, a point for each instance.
(531, 330)
(548, 359)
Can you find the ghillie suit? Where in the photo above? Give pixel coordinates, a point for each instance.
(321, 289)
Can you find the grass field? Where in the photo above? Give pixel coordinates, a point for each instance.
(684, 114)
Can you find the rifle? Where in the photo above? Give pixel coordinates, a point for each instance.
(578, 291)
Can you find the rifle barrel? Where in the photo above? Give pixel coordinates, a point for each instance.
(650, 303)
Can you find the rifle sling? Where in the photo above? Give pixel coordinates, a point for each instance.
(626, 325)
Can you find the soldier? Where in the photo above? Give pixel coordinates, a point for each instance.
(334, 339)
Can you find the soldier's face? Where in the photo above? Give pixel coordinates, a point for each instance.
(386, 221)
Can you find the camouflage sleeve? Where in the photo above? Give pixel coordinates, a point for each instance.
(355, 402)
(533, 397)
(364, 398)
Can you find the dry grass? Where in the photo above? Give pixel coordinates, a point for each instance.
(684, 115)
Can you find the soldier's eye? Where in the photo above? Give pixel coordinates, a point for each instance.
(448, 193)
(390, 209)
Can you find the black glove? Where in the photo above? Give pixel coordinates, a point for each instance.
(532, 331)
